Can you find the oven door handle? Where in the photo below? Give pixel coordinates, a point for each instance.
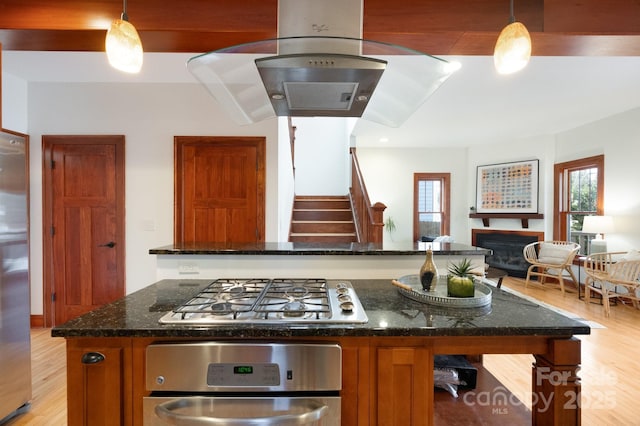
(165, 411)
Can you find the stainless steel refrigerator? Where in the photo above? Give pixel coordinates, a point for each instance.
(15, 343)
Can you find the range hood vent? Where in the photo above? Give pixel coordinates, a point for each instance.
(328, 85)
(334, 75)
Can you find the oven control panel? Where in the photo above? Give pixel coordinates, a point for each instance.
(241, 375)
(243, 367)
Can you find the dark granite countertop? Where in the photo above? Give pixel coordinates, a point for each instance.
(389, 312)
(349, 249)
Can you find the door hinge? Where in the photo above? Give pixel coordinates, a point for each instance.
(53, 297)
(53, 231)
(53, 164)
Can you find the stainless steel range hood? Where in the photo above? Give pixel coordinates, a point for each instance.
(326, 85)
(335, 74)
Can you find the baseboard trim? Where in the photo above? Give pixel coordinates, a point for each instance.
(37, 321)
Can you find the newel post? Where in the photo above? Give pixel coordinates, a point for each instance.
(377, 223)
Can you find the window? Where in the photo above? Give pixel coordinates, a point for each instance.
(578, 192)
(430, 205)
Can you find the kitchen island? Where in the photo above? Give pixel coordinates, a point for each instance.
(387, 371)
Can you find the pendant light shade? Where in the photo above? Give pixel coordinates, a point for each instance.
(123, 45)
(513, 48)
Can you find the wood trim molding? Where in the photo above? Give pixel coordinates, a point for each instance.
(524, 218)
(37, 321)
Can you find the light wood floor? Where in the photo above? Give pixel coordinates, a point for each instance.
(610, 390)
(49, 382)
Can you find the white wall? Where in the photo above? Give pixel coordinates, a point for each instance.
(330, 267)
(389, 177)
(149, 115)
(14, 103)
(321, 156)
(618, 138)
(286, 182)
(388, 173)
(540, 148)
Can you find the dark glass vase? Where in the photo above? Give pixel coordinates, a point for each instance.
(429, 273)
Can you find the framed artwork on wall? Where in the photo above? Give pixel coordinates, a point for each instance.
(507, 187)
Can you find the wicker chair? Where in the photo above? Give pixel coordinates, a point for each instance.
(612, 276)
(551, 259)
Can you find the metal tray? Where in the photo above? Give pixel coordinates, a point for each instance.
(482, 296)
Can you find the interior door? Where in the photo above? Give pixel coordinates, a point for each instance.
(84, 224)
(219, 189)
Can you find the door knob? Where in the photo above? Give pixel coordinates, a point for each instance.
(110, 244)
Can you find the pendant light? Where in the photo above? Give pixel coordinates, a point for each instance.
(513, 48)
(123, 45)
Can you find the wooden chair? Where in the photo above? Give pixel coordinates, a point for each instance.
(551, 259)
(612, 276)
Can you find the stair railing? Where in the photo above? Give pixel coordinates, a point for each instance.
(368, 218)
(292, 142)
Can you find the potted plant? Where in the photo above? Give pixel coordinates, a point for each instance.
(460, 281)
(390, 226)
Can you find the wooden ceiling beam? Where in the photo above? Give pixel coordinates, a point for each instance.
(463, 27)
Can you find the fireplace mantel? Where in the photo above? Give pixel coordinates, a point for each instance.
(524, 217)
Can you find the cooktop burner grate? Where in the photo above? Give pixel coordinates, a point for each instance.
(298, 297)
(225, 297)
(271, 301)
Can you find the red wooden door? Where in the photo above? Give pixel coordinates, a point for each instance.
(219, 189)
(84, 199)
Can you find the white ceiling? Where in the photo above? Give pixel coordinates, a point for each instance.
(475, 105)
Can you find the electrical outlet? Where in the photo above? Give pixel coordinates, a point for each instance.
(188, 268)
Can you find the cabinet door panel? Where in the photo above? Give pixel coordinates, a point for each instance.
(94, 386)
(405, 386)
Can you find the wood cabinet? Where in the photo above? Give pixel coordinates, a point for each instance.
(382, 384)
(355, 382)
(404, 382)
(386, 381)
(99, 377)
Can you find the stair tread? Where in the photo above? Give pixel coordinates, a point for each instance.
(322, 197)
(321, 210)
(321, 221)
(321, 233)
(322, 218)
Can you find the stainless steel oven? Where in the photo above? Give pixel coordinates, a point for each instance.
(248, 383)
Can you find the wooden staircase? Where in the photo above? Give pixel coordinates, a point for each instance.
(322, 219)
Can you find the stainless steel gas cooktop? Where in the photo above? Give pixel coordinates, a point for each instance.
(271, 301)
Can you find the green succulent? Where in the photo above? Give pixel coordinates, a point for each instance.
(461, 269)
(460, 282)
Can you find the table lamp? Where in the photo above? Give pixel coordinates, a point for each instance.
(597, 225)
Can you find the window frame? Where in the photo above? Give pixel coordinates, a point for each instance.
(445, 182)
(561, 207)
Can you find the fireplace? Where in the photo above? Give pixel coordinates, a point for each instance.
(507, 248)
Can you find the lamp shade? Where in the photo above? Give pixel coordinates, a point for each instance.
(513, 49)
(597, 224)
(123, 46)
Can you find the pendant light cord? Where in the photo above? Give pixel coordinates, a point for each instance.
(512, 17)
(125, 17)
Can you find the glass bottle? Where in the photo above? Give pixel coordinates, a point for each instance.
(429, 273)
